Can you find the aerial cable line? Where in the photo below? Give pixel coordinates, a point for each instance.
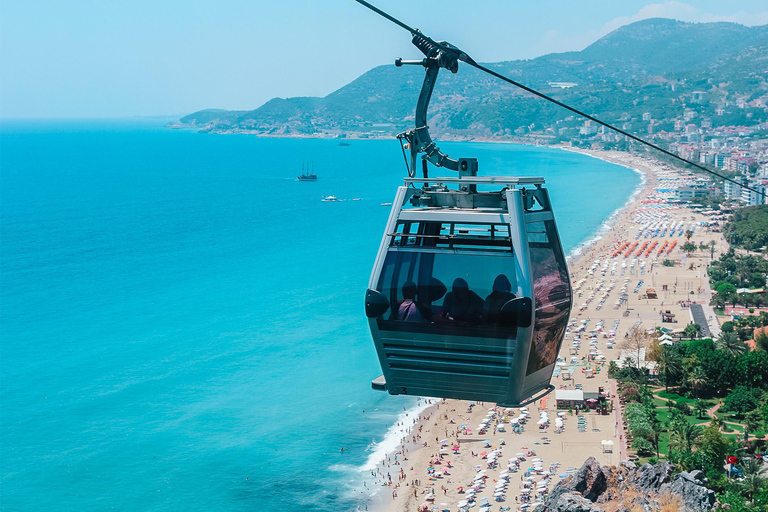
(460, 55)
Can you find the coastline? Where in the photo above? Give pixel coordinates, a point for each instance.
(447, 423)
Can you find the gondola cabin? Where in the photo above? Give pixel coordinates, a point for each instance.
(469, 296)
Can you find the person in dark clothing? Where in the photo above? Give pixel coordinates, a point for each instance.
(461, 304)
(501, 294)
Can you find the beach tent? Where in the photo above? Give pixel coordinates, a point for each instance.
(607, 446)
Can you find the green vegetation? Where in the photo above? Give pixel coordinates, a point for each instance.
(733, 271)
(619, 77)
(674, 424)
(748, 228)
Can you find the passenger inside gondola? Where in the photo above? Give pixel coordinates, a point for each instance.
(410, 310)
(501, 294)
(462, 305)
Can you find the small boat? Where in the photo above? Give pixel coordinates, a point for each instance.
(330, 199)
(386, 204)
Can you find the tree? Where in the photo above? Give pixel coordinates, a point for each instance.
(753, 479)
(697, 379)
(701, 407)
(731, 343)
(761, 340)
(684, 437)
(756, 280)
(692, 330)
(721, 369)
(718, 301)
(669, 365)
(688, 247)
(741, 400)
(636, 342)
(714, 448)
(688, 234)
(753, 420)
(711, 249)
(752, 369)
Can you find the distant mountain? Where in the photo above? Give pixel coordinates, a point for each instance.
(649, 66)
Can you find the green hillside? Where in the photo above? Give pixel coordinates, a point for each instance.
(649, 66)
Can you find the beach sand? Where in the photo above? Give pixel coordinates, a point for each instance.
(411, 484)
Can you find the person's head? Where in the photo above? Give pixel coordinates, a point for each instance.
(502, 284)
(409, 290)
(460, 286)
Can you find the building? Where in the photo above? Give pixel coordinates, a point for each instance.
(733, 190)
(589, 128)
(754, 197)
(569, 398)
(688, 192)
(699, 97)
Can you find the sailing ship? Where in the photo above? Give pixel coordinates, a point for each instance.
(306, 175)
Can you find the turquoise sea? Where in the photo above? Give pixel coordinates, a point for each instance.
(181, 321)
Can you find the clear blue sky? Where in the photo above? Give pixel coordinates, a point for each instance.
(95, 58)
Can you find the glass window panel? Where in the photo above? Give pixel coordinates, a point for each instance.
(552, 294)
(451, 292)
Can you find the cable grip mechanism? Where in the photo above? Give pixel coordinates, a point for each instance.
(437, 55)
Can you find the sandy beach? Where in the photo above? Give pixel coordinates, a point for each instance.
(440, 462)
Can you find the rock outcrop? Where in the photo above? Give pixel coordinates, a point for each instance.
(650, 487)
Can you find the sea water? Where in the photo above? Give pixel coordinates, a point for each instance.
(181, 321)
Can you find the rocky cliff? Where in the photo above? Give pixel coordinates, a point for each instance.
(628, 488)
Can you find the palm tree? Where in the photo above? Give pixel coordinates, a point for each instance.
(697, 379)
(753, 420)
(753, 480)
(669, 364)
(684, 437)
(730, 342)
(701, 407)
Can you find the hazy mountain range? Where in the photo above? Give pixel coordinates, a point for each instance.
(650, 66)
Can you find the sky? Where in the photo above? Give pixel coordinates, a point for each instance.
(101, 59)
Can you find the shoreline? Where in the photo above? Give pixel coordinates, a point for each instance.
(421, 459)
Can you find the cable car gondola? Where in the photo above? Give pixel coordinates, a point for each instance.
(470, 294)
(498, 250)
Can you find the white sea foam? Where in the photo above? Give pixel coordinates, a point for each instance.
(358, 484)
(394, 436)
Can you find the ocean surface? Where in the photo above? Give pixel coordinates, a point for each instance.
(181, 321)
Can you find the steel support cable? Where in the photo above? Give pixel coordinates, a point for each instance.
(469, 60)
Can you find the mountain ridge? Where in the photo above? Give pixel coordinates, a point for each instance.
(647, 65)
